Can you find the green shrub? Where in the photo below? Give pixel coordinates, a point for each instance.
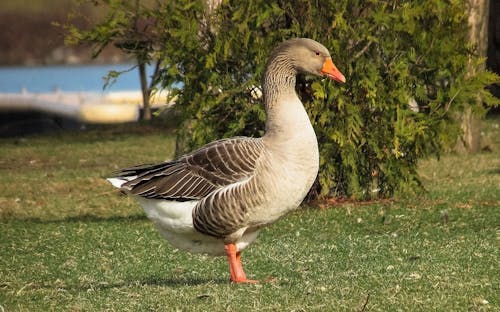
(391, 53)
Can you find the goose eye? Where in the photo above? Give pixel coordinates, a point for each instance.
(317, 53)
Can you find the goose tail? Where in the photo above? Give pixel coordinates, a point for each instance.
(119, 181)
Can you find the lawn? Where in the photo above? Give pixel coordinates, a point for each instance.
(70, 242)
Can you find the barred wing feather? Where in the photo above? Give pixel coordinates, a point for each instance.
(195, 175)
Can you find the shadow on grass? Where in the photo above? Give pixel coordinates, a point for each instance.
(84, 218)
(100, 133)
(493, 171)
(153, 281)
(181, 281)
(83, 134)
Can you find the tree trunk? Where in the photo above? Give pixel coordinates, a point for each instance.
(478, 36)
(146, 108)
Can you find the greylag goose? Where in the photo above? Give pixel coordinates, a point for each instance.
(216, 199)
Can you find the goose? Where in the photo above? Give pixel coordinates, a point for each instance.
(216, 199)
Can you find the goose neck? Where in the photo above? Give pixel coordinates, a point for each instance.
(284, 110)
(279, 81)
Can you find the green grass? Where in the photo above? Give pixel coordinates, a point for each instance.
(70, 242)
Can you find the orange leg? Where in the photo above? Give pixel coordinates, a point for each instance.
(235, 267)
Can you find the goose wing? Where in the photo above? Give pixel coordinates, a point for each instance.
(195, 175)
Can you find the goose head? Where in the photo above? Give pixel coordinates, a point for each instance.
(310, 57)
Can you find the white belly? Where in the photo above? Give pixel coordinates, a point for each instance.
(174, 221)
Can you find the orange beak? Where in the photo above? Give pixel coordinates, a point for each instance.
(330, 70)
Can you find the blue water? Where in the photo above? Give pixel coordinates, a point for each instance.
(66, 78)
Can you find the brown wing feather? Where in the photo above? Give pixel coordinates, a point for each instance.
(197, 174)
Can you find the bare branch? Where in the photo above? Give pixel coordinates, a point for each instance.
(363, 51)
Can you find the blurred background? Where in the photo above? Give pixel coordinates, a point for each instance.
(30, 38)
(38, 70)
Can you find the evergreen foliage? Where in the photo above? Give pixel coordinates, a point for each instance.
(393, 54)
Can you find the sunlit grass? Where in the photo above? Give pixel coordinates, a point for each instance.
(52, 178)
(70, 242)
